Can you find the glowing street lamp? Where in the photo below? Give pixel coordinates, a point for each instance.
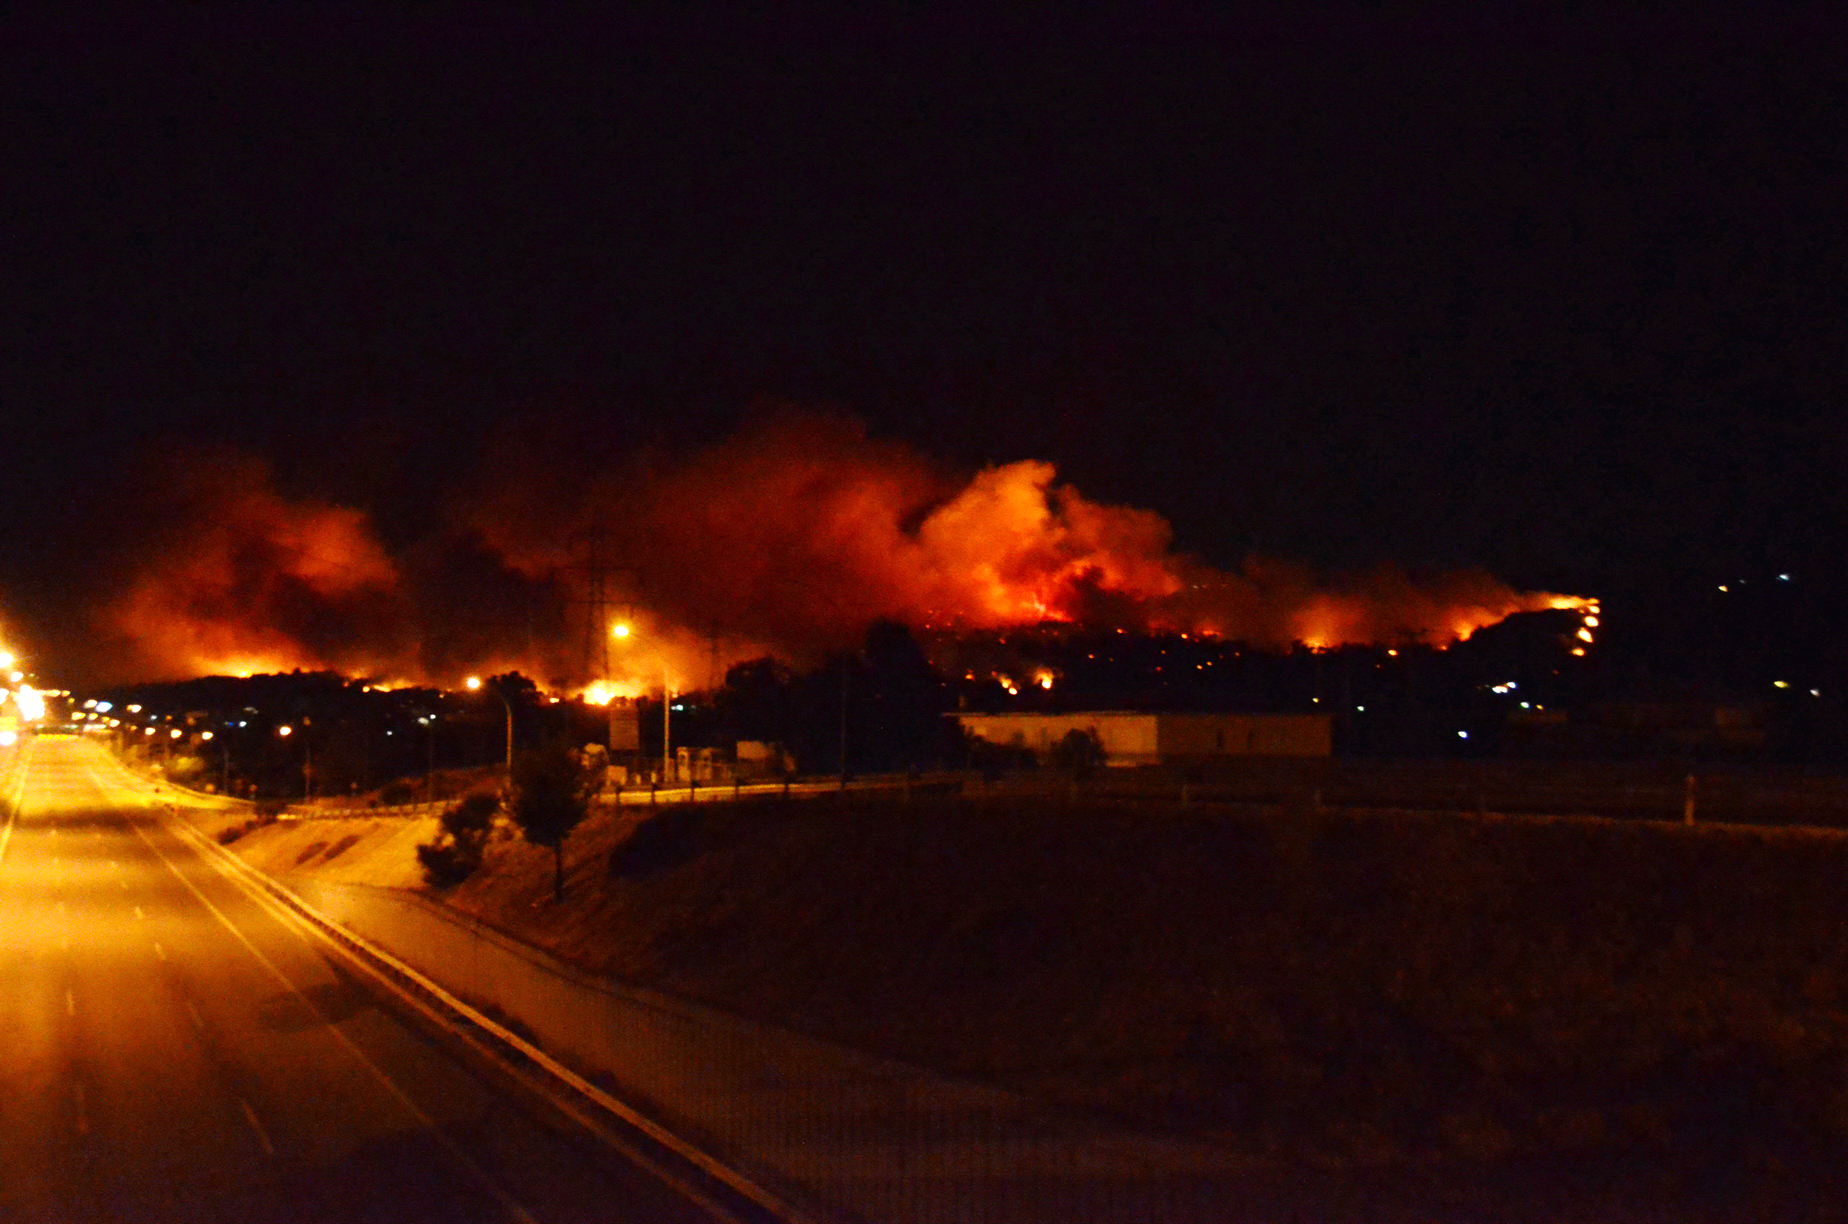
(473, 685)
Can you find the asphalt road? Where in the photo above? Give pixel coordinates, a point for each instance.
(171, 1051)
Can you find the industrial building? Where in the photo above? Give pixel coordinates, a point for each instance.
(1131, 738)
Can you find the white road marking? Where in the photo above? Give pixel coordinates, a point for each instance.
(83, 1116)
(139, 916)
(462, 1159)
(18, 800)
(70, 1002)
(250, 1116)
(194, 1013)
(160, 951)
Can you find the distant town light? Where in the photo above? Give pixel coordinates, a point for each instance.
(174, 734)
(205, 735)
(1579, 651)
(1724, 587)
(8, 738)
(1780, 684)
(472, 683)
(284, 730)
(620, 629)
(1462, 735)
(1783, 577)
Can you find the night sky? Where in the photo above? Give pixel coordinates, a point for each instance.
(1560, 296)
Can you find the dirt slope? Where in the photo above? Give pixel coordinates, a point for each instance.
(1641, 1009)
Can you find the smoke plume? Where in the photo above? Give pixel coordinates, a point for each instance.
(789, 538)
(230, 577)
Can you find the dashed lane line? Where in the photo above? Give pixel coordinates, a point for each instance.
(250, 1116)
(18, 799)
(159, 951)
(462, 1159)
(70, 1002)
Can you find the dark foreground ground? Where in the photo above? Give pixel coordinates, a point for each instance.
(1619, 1016)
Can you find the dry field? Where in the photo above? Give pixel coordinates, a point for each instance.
(1608, 1011)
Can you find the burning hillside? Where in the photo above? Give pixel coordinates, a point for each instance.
(789, 539)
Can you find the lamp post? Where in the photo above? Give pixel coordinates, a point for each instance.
(284, 732)
(474, 684)
(429, 725)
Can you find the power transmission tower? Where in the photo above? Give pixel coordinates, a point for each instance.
(604, 586)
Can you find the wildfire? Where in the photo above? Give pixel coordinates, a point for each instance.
(787, 540)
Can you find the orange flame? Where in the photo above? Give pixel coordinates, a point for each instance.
(789, 540)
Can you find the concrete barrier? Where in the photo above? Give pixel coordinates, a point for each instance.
(859, 1137)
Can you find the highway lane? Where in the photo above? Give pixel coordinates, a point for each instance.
(171, 1051)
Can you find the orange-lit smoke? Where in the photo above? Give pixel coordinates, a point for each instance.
(787, 539)
(240, 580)
(791, 538)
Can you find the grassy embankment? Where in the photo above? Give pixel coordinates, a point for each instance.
(1642, 1009)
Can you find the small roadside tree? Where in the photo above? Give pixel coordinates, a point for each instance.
(460, 841)
(551, 796)
(1078, 754)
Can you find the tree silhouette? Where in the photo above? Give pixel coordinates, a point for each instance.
(551, 797)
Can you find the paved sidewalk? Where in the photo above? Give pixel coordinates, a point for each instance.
(860, 1138)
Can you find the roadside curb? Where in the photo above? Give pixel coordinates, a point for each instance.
(704, 1177)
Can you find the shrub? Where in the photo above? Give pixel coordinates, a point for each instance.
(1079, 753)
(461, 838)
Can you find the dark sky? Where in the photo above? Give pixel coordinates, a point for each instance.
(1559, 295)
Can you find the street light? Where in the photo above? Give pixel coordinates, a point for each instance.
(473, 684)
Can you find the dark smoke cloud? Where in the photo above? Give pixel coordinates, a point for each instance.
(789, 537)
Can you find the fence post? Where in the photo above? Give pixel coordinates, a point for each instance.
(1687, 803)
